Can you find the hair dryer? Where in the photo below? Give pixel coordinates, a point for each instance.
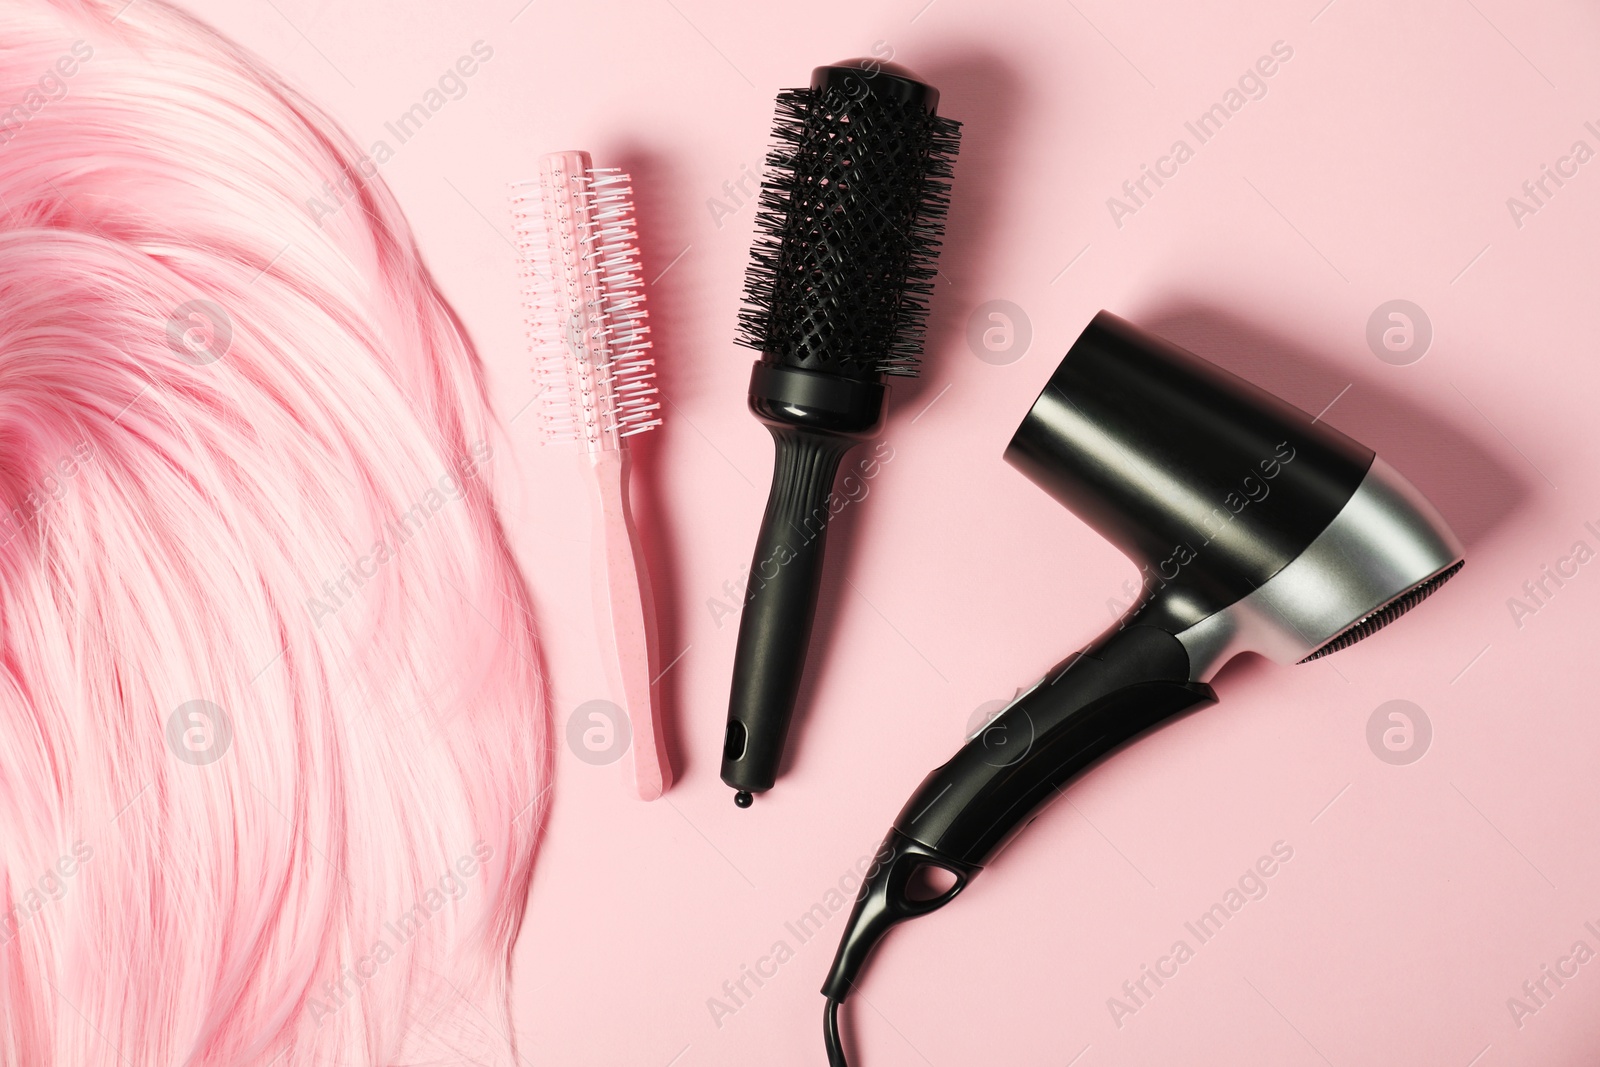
(1256, 529)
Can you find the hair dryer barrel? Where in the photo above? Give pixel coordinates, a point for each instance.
(1210, 484)
(1255, 526)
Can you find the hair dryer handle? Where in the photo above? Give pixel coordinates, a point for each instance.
(1087, 706)
(964, 812)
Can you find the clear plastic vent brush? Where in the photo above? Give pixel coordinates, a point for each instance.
(584, 299)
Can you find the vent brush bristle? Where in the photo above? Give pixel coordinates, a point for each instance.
(583, 295)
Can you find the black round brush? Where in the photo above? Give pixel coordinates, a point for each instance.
(852, 210)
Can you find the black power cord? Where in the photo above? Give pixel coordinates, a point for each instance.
(830, 1035)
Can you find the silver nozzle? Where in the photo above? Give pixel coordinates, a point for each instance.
(1384, 551)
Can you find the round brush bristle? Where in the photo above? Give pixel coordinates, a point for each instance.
(851, 214)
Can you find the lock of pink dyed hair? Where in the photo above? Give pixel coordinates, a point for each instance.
(272, 736)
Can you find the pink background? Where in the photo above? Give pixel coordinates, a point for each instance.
(1419, 897)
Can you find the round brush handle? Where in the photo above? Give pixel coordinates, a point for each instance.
(780, 604)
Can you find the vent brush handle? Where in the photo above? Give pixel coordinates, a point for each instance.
(622, 599)
(814, 420)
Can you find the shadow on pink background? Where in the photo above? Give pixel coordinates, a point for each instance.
(1419, 898)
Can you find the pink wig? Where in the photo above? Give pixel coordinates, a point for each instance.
(272, 737)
